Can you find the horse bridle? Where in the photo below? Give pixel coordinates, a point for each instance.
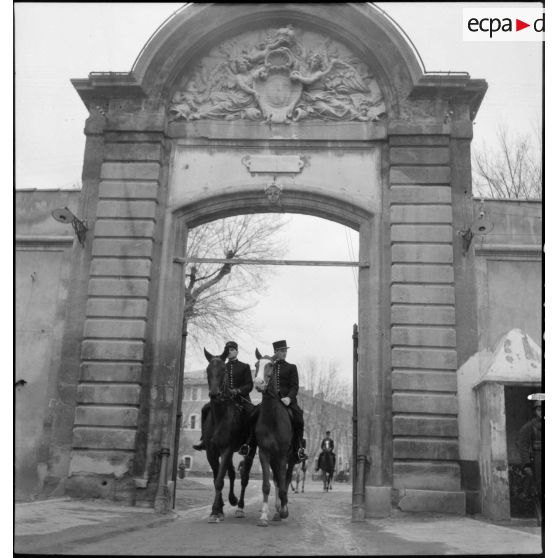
(265, 387)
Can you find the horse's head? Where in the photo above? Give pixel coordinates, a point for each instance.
(264, 371)
(215, 373)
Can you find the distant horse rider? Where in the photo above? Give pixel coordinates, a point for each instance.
(239, 380)
(327, 446)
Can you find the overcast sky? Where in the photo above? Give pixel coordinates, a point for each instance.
(313, 308)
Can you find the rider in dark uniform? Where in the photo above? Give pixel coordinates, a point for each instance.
(286, 376)
(239, 379)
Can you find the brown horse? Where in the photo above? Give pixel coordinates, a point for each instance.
(274, 434)
(223, 433)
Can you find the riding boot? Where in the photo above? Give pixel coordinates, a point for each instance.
(200, 446)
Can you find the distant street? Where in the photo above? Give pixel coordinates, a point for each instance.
(318, 524)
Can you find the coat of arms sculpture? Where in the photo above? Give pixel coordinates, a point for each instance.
(281, 76)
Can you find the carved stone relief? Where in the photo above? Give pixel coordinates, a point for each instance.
(278, 75)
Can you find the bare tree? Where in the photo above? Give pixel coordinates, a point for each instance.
(327, 408)
(513, 170)
(217, 294)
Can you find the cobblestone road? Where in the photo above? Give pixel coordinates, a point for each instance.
(318, 524)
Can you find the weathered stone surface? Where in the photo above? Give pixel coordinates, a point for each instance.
(420, 194)
(408, 380)
(133, 329)
(432, 337)
(116, 189)
(133, 228)
(433, 403)
(445, 359)
(422, 315)
(421, 273)
(377, 501)
(112, 350)
(421, 253)
(116, 463)
(111, 372)
(106, 416)
(130, 171)
(424, 426)
(120, 247)
(433, 501)
(419, 156)
(132, 151)
(129, 209)
(421, 214)
(109, 394)
(104, 438)
(427, 475)
(419, 175)
(425, 294)
(421, 233)
(418, 140)
(116, 307)
(118, 287)
(130, 267)
(426, 448)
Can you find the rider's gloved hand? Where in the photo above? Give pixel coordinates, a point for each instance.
(286, 401)
(235, 391)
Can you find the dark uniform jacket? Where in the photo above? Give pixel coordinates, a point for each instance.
(331, 444)
(530, 441)
(239, 377)
(287, 374)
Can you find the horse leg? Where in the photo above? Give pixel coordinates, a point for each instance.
(281, 475)
(219, 481)
(264, 518)
(276, 515)
(232, 476)
(303, 479)
(244, 477)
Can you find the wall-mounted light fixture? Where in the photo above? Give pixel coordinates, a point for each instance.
(64, 215)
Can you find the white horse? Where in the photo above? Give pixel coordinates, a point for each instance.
(299, 475)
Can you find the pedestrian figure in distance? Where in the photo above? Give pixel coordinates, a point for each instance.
(530, 445)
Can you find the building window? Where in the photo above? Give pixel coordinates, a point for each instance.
(188, 461)
(192, 422)
(196, 393)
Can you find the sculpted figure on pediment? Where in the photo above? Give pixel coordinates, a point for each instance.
(282, 76)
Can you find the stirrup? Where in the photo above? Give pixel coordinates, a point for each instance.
(244, 450)
(199, 447)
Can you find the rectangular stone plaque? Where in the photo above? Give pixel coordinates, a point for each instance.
(273, 163)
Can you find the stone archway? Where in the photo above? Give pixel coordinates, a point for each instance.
(327, 107)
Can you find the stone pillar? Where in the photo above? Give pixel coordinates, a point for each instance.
(493, 454)
(121, 284)
(426, 472)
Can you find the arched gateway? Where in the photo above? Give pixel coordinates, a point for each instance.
(317, 109)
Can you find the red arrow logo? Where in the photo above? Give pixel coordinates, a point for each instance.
(519, 25)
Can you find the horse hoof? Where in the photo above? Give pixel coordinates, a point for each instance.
(239, 513)
(296, 491)
(262, 523)
(302, 490)
(284, 513)
(213, 519)
(221, 516)
(277, 516)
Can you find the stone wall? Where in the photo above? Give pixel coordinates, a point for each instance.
(42, 265)
(423, 335)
